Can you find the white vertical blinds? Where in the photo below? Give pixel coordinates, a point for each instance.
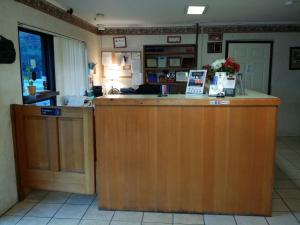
(70, 67)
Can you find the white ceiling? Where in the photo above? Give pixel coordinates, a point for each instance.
(122, 13)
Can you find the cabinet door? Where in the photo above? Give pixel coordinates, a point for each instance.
(55, 152)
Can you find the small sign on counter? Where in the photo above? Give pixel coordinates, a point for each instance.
(216, 102)
(50, 111)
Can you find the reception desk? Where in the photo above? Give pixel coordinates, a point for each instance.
(186, 154)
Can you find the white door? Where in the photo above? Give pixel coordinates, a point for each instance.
(254, 59)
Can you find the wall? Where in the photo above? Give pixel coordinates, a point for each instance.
(285, 83)
(136, 43)
(10, 82)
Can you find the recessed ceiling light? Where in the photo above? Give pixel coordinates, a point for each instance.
(195, 10)
(289, 2)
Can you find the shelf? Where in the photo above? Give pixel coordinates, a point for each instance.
(165, 83)
(170, 53)
(166, 68)
(40, 96)
(188, 61)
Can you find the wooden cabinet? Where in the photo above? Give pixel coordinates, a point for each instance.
(54, 152)
(163, 62)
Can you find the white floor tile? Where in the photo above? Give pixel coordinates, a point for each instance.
(36, 195)
(144, 223)
(289, 193)
(219, 220)
(21, 208)
(81, 199)
(94, 213)
(157, 217)
(279, 206)
(56, 197)
(44, 210)
(275, 194)
(282, 219)
(64, 222)
(293, 204)
(33, 221)
(251, 220)
(9, 220)
(188, 219)
(93, 222)
(115, 222)
(128, 216)
(284, 184)
(71, 211)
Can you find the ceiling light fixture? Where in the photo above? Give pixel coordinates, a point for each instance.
(289, 2)
(195, 10)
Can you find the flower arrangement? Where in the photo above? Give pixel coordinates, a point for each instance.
(222, 65)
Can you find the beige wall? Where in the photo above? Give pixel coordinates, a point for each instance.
(10, 82)
(285, 83)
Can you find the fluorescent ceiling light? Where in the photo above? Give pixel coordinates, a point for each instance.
(195, 10)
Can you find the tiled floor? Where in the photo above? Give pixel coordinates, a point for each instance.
(288, 157)
(57, 208)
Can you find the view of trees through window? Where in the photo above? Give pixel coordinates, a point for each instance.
(32, 55)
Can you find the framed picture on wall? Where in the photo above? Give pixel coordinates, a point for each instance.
(294, 58)
(174, 39)
(120, 42)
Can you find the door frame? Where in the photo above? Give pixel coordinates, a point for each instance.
(256, 42)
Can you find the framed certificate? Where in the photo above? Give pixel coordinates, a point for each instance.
(174, 61)
(196, 82)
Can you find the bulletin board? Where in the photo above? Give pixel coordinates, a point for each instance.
(123, 64)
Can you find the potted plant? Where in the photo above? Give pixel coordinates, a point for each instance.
(222, 65)
(31, 87)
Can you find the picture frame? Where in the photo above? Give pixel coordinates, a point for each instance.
(294, 58)
(120, 42)
(151, 62)
(174, 61)
(215, 37)
(174, 39)
(214, 47)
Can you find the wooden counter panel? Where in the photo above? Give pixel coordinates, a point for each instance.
(55, 153)
(186, 159)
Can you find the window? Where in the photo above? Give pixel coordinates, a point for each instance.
(36, 59)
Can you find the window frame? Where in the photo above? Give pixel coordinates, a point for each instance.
(48, 53)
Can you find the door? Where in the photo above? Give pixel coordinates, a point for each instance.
(54, 152)
(255, 61)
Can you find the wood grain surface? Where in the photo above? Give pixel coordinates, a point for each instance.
(214, 159)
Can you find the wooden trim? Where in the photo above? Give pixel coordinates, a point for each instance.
(59, 13)
(256, 42)
(252, 28)
(186, 102)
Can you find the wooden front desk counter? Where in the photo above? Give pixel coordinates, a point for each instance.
(186, 154)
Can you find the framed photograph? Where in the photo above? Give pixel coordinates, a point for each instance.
(174, 61)
(214, 47)
(174, 39)
(120, 42)
(294, 58)
(151, 62)
(196, 82)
